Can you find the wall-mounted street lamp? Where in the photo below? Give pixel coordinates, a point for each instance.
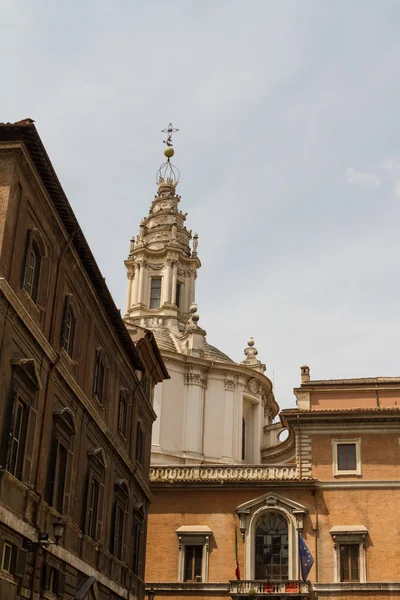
(150, 594)
(43, 542)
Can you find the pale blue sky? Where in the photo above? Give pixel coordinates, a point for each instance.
(288, 150)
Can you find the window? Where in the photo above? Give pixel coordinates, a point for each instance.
(7, 560)
(99, 376)
(349, 562)
(32, 271)
(119, 520)
(137, 547)
(53, 579)
(346, 457)
(93, 506)
(19, 439)
(140, 442)
(155, 292)
(36, 269)
(60, 488)
(193, 563)
(272, 547)
(61, 471)
(17, 448)
(193, 552)
(68, 334)
(178, 294)
(122, 413)
(93, 515)
(349, 544)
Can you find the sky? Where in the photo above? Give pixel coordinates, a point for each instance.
(289, 152)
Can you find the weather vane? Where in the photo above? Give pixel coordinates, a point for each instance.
(169, 130)
(168, 171)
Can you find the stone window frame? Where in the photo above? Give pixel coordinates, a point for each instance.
(119, 541)
(64, 430)
(349, 535)
(25, 387)
(193, 535)
(73, 346)
(335, 462)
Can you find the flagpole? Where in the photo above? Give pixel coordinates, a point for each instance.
(298, 555)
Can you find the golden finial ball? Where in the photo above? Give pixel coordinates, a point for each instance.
(169, 152)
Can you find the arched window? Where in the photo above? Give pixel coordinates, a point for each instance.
(272, 547)
(36, 271)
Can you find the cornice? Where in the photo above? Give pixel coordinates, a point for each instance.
(222, 473)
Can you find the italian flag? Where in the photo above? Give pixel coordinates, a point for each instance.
(237, 569)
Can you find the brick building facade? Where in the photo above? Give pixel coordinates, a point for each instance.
(75, 399)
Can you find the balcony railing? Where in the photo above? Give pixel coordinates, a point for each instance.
(253, 588)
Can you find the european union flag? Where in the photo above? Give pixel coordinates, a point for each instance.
(305, 557)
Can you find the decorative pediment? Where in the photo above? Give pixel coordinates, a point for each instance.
(99, 456)
(66, 420)
(270, 499)
(27, 370)
(248, 511)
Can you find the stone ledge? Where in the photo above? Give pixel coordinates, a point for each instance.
(357, 587)
(188, 587)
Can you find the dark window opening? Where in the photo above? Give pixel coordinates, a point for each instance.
(346, 454)
(140, 440)
(243, 439)
(349, 562)
(155, 293)
(18, 439)
(61, 472)
(93, 500)
(118, 531)
(99, 377)
(122, 415)
(178, 294)
(137, 535)
(193, 563)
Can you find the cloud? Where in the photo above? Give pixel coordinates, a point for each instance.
(364, 180)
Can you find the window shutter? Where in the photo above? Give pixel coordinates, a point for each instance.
(141, 552)
(99, 533)
(51, 473)
(45, 576)
(124, 553)
(77, 339)
(68, 491)
(6, 440)
(61, 585)
(89, 484)
(27, 255)
(29, 446)
(20, 562)
(66, 306)
(44, 276)
(106, 388)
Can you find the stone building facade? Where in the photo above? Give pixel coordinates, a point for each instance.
(76, 399)
(227, 464)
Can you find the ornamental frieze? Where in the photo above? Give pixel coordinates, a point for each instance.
(196, 379)
(216, 473)
(229, 385)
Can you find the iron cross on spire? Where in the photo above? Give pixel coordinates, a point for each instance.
(169, 131)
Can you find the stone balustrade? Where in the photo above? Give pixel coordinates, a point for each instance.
(218, 473)
(256, 588)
